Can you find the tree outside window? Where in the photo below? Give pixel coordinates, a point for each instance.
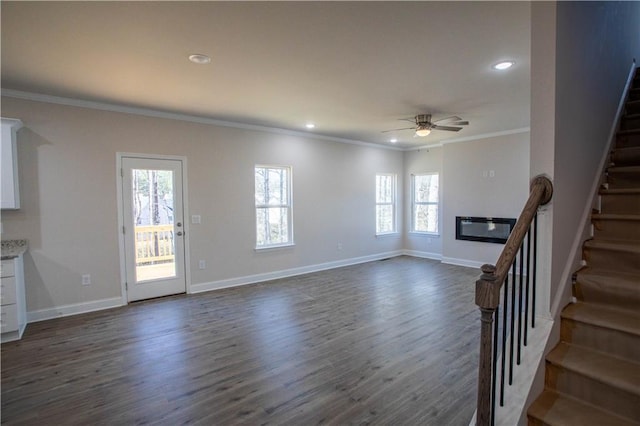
(385, 203)
(273, 206)
(425, 199)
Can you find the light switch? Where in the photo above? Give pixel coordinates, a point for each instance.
(195, 218)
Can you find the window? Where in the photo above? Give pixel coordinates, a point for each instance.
(424, 198)
(273, 206)
(385, 203)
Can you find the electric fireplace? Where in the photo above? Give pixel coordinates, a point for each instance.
(485, 229)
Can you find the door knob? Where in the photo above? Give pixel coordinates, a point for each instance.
(179, 233)
(179, 224)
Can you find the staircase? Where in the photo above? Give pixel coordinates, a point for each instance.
(592, 376)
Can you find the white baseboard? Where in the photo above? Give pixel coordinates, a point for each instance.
(267, 276)
(114, 302)
(73, 309)
(422, 254)
(462, 262)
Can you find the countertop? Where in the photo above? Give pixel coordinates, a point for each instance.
(13, 248)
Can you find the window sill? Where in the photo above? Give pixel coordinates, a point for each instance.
(388, 234)
(274, 247)
(424, 234)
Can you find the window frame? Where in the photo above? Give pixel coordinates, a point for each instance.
(414, 204)
(393, 204)
(288, 206)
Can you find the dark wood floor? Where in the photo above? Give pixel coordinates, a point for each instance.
(386, 342)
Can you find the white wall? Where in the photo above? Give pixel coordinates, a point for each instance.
(468, 189)
(68, 178)
(468, 192)
(425, 160)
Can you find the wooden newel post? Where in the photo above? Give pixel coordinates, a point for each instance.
(487, 298)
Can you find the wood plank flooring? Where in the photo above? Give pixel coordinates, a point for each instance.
(386, 342)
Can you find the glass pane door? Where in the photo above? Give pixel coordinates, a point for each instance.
(153, 219)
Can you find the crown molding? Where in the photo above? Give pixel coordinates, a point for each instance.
(148, 112)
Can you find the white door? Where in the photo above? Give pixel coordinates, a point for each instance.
(153, 227)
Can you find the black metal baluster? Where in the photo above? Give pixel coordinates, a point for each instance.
(535, 266)
(512, 335)
(504, 338)
(520, 284)
(526, 301)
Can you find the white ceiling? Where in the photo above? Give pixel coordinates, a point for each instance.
(352, 68)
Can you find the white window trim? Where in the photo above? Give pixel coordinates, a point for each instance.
(394, 205)
(412, 229)
(289, 206)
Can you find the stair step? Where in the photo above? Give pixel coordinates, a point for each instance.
(596, 378)
(603, 328)
(612, 255)
(623, 176)
(620, 200)
(628, 138)
(632, 107)
(609, 289)
(630, 121)
(634, 94)
(622, 227)
(626, 156)
(554, 409)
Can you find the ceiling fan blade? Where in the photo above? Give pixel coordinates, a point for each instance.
(447, 119)
(448, 128)
(395, 130)
(459, 123)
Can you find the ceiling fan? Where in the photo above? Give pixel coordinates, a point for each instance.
(424, 125)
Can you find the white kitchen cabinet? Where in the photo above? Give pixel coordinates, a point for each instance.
(13, 309)
(10, 191)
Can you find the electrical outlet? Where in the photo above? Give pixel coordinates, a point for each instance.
(202, 264)
(86, 279)
(339, 247)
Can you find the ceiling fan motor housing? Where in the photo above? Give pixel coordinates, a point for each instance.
(423, 119)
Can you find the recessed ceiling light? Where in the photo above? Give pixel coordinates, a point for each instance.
(309, 125)
(394, 140)
(200, 59)
(504, 65)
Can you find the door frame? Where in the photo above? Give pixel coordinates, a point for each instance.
(120, 215)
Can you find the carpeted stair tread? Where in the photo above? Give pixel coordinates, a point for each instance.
(615, 372)
(624, 169)
(613, 245)
(612, 254)
(555, 409)
(620, 191)
(614, 216)
(632, 106)
(616, 226)
(608, 288)
(622, 156)
(624, 320)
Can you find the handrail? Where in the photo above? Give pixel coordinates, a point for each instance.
(487, 296)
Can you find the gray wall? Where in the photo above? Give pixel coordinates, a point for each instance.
(486, 177)
(579, 69)
(471, 190)
(67, 161)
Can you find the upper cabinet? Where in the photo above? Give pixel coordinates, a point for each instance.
(10, 194)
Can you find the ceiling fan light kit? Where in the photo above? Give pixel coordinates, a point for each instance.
(424, 125)
(423, 131)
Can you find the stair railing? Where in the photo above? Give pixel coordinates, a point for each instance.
(517, 304)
